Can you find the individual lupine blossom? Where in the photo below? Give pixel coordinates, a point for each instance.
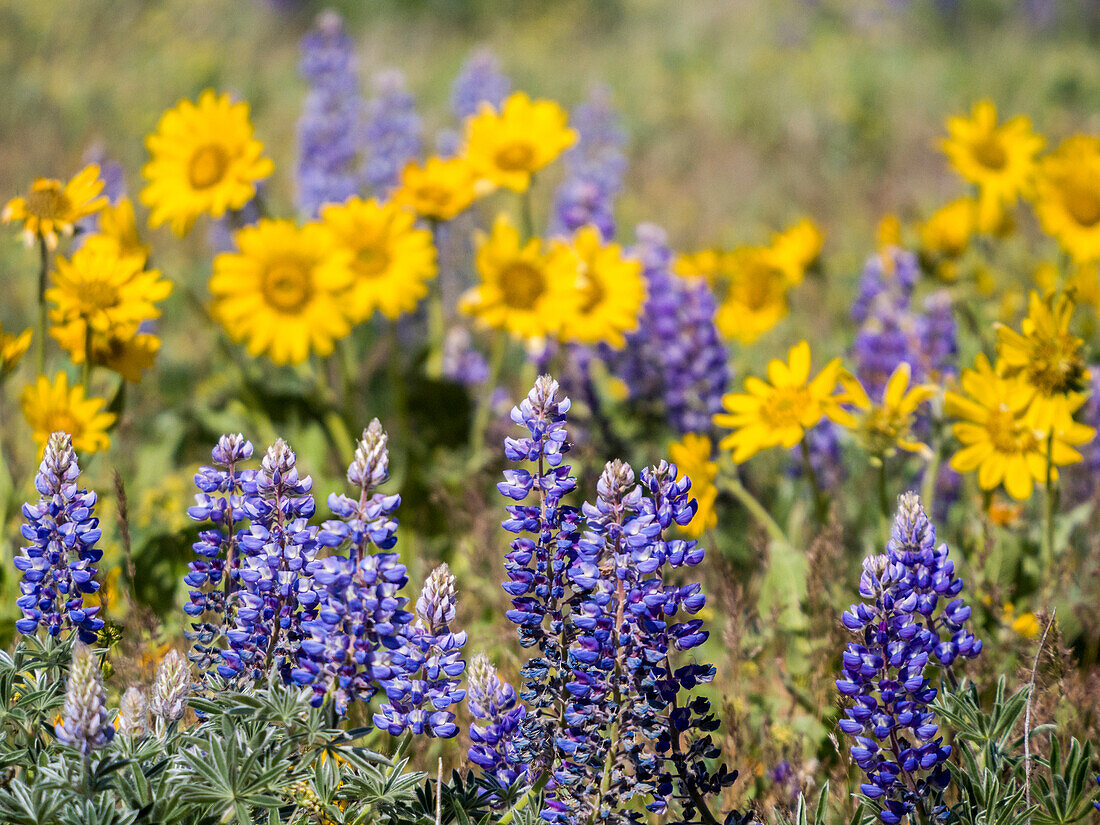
(911, 616)
(677, 354)
(391, 133)
(58, 563)
(547, 533)
(133, 714)
(84, 719)
(493, 703)
(420, 702)
(594, 170)
(330, 127)
(171, 687)
(275, 588)
(354, 645)
(480, 80)
(212, 577)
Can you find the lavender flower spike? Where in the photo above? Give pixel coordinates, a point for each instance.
(480, 80)
(84, 724)
(493, 703)
(133, 713)
(57, 563)
(392, 133)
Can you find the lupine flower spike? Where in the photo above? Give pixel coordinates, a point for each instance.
(492, 702)
(84, 723)
(171, 687)
(133, 714)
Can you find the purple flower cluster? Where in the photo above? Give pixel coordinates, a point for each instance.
(677, 354)
(911, 617)
(420, 701)
(493, 703)
(593, 169)
(602, 600)
(330, 127)
(392, 133)
(58, 562)
(480, 80)
(826, 459)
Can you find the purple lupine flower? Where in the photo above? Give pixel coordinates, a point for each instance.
(911, 617)
(462, 363)
(58, 561)
(352, 647)
(212, 577)
(391, 133)
(480, 80)
(594, 169)
(894, 272)
(275, 587)
(330, 127)
(826, 457)
(493, 702)
(1081, 479)
(420, 702)
(937, 334)
(84, 719)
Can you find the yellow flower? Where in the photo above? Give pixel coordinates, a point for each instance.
(1026, 625)
(439, 189)
(886, 426)
(612, 291)
(286, 292)
(203, 160)
(127, 354)
(1000, 160)
(1003, 512)
(777, 413)
(392, 259)
(527, 288)
(12, 348)
(888, 232)
(52, 207)
(998, 441)
(797, 248)
(54, 407)
(116, 225)
(756, 296)
(507, 147)
(692, 457)
(948, 230)
(106, 291)
(1048, 358)
(1067, 197)
(706, 263)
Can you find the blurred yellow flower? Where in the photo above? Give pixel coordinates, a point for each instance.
(1067, 198)
(286, 292)
(702, 264)
(998, 441)
(51, 207)
(203, 160)
(611, 292)
(117, 225)
(692, 457)
(888, 232)
(12, 348)
(127, 354)
(51, 407)
(947, 232)
(439, 189)
(777, 413)
(886, 426)
(392, 259)
(796, 249)
(1026, 625)
(756, 295)
(527, 288)
(1048, 358)
(1003, 512)
(999, 159)
(508, 146)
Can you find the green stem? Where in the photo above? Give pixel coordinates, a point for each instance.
(485, 400)
(883, 498)
(437, 326)
(821, 501)
(928, 485)
(525, 800)
(1048, 512)
(43, 282)
(527, 212)
(728, 482)
(87, 373)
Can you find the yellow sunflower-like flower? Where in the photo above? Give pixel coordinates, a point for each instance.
(756, 295)
(51, 207)
(286, 292)
(509, 146)
(612, 291)
(692, 457)
(439, 189)
(1067, 197)
(528, 289)
(797, 248)
(886, 426)
(779, 411)
(12, 348)
(50, 407)
(945, 236)
(1048, 358)
(117, 225)
(999, 159)
(998, 440)
(128, 354)
(203, 160)
(392, 259)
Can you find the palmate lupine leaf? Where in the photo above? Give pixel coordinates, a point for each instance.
(1066, 794)
(22, 804)
(382, 795)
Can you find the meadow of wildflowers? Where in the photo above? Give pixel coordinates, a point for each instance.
(413, 427)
